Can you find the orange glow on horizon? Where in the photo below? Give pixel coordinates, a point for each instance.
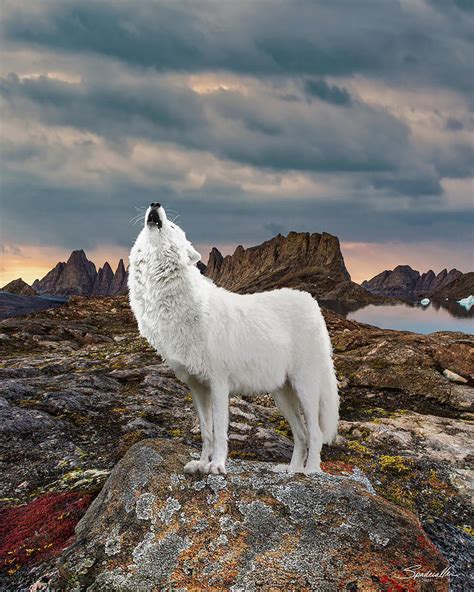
(33, 262)
(363, 260)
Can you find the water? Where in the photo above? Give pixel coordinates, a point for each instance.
(437, 316)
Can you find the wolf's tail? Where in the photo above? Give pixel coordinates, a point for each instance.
(329, 396)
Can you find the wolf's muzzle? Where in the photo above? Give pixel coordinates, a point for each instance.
(154, 216)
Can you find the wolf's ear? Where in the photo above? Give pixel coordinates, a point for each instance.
(193, 255)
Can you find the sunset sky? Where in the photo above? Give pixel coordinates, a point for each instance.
(247, 118)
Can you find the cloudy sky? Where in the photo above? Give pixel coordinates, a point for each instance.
(247, 118)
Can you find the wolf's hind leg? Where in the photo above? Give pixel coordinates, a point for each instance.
(307, 392)
(287, 402)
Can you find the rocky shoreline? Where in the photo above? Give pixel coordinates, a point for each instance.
(79, 388)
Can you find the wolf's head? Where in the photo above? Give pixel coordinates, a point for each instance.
(162, 234)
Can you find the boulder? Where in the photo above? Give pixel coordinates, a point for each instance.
(154, 528)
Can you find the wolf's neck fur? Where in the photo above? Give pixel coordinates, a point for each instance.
(175, 307)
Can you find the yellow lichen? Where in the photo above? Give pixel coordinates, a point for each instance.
(394, 464)
(358, 448)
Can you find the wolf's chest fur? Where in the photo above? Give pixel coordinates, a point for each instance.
(169, 318)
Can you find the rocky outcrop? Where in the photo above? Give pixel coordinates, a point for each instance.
(78, 277)
(214, 265)
(119, 282)
(424, 283)
(443, 279)
(405, 283)
(311, 262)
(48, 284)
(103, 281)
(151, 527)
(19, 287)
(399, 283)
(279, 257)
(461, 287)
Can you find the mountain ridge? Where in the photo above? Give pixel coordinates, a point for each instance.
(405, 283)
(300, 260)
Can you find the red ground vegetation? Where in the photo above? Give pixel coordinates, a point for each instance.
(35, 532)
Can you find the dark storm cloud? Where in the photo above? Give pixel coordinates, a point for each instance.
(455, 161)
(327, 92)
(289, 110)
(410, 184)
(256, 130)
(109, 107)
(375, 37)
(454, 125)
(215, 213)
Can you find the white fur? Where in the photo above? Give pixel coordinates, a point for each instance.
(219, 342)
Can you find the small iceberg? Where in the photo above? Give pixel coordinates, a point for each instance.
(425, 302)
(467, 302)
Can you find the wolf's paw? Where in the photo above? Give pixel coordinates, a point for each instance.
(313, 470)
(288, 469)
(282, 469)
(195, 466)
(215, 468)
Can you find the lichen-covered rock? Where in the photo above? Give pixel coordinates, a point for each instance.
(153, 528)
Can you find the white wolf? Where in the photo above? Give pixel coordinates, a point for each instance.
(219, 342)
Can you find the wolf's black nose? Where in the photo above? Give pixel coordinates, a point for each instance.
(155, 204)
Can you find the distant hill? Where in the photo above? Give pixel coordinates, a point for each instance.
(19, 287)
(406, 283)
(13, 305)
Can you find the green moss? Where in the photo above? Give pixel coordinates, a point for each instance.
(176, 432)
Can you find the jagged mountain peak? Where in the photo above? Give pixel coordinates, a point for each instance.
(79, 276)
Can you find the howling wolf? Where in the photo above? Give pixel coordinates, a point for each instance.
(221, 343)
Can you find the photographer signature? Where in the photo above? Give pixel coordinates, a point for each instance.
(414, 573)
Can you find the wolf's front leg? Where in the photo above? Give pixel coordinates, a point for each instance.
(202, 403)
(220, 420)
